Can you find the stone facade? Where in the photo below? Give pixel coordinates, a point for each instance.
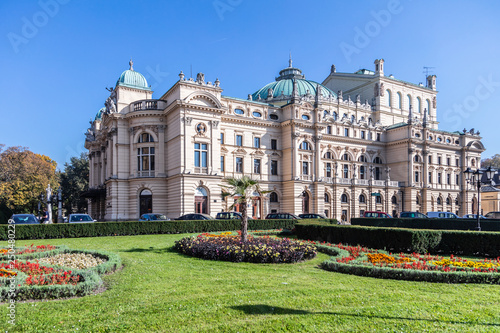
(360, 149)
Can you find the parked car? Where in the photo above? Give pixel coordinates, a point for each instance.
(153, 217)
(282, 216)
(413, 215)
(473, 216)
(24, 219)
(312, 216)
(442, 215)
(493, 215)
(195, 216)
(376, 214)
(80, 218)
(230, 216)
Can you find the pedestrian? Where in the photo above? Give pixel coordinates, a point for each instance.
(45, 216)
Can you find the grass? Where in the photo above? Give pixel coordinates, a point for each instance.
(162, 291)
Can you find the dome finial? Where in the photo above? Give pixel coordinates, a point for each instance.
(131, 63)
(290, 60)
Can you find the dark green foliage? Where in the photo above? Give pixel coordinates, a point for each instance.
(405, 240)
(74, 181)
(98, 229)
(434, 223)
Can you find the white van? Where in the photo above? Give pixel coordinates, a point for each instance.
(442, 215)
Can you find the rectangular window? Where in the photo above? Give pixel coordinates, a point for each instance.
(457, 179)
(430, 177)
(457, 162)
(239, 164)
(363, 135)
(448, 161)
(439, 160)
(239, 140)
(146, 159)
(416, 177)
(222, 138)
(439, 178)
(274, 144)
(346, 171)
(346, 132)
(430, 159)
(378, 136)
(256, 166)
(448, 179)
(274, 168)
(328, 170)
(222, 166)
(305, 168)
(256, 142)
(200, 155)
(328, 129)
(362, 172)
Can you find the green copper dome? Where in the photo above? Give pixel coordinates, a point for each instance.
(133, 79)
(283, 87)
(98, 116)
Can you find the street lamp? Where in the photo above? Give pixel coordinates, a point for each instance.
(474, 178)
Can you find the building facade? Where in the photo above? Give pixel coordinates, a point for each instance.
(356, 142)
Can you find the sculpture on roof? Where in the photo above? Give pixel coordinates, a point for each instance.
(200, 78)
(333, 69)
(131, 63)
(110, 105)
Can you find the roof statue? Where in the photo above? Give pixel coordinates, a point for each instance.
(131, 63)
(290, 60)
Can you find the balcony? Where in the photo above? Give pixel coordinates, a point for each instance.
(147, 173)
(363, 182)
(201, 170)
(148, 104)
(306, 177)
(344, 181)
(379, 183)
(393, 183)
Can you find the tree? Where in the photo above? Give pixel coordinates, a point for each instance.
(24, 175)
(243, 189)
(493, 161)
(75, 181)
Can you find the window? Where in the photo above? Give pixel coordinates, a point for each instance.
(363, 135)
(362, 158)
(343, 198)
(408, 98)
(328, 129)
(257, 114)
(239, 140)
(328, 155)
(416, 159)
(430, 159)
(448, 161)
(377, 173)
(378, 136)
(274, 168)
(346, 171)
(327, 198)
(346, 132)
(273, 197)
(238, 111)
(362, 172)
(274, 144)
(256, 142)
(273, 116)
(428, 106)
(394, 200)
(389, 104)
(439, 201)
(457, 162)
(362, 198)
(305, 168)
(377, 160)
(305, 145)
(416, 176)
(448, 201)
(239, 164)
(430, 178)
(222, 164)
(146, 137)
(346, 157)
(146, 161)
(200, 155)
(328, 170)
(222, 138)
(399, 100)
(419, 105)
(457, 179)
(378, 199)
(448, 179)
(439, 178)
(256, 166)
(417, 201)
(305, 117)
(439, 160)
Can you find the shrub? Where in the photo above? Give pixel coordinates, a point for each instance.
(431, 223)
(255, 250)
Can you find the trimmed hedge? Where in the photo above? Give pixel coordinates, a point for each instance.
(405, 240)
(65, 230)
(433, 223)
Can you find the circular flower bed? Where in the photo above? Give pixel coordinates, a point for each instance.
(226, 247)
(359, 260)
(47, 272)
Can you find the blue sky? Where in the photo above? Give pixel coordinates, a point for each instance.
(57, 56)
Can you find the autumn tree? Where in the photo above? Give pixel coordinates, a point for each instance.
(75, 181)
(493, 161)
(24, 175)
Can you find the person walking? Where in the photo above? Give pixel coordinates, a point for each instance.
(45, 216)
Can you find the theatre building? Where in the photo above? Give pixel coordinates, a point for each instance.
(356, 142)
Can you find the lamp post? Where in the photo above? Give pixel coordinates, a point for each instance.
(473, 177)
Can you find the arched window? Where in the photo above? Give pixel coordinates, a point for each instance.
(362, 158)
(389, 102)
(400, 101)
(335, 116)
(146, 161)
(305, 146)
(408, 99)
(394, 200)
(448, 201)
(346, 157)
(419, 105)
(439, 201)
(362, 198)
(273, 197)
(343, 198)
(145, 137)
(416, 158)
(327, 198)
(328, 155)
(377, 160)
(417, 200)
(428, 103)
(378, 199)
(353, 119)
(362, 172)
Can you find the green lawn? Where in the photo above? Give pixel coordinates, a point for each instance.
(162, 291)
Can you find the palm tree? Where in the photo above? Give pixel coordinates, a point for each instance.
(242, 188)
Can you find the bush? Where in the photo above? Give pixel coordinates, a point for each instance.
(255, 250)
(405, 240)
(48, 231)
(433, 223)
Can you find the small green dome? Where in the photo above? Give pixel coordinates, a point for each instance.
(98, 116)
(283, 87)
(133, 79)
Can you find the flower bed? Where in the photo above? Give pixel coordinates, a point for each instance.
(359, 260)
(66, 274)
(228, 247)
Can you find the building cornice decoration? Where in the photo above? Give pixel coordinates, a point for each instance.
(240, 151)
(215, 123)
(187, 120)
